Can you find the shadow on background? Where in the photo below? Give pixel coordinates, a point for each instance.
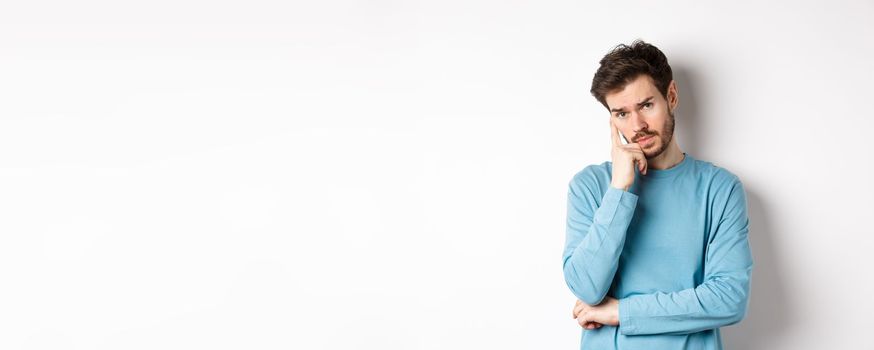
(688, 125)
(769, 310)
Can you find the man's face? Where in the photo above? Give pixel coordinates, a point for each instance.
(643, 115)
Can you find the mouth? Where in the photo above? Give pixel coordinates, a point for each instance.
(645, 140)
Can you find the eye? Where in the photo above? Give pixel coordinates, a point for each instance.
(647, 105)
(620, 114)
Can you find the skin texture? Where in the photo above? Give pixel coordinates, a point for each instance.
(592, 317)
(639, 116)
(654, 119)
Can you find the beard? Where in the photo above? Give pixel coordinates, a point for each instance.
(660, 148)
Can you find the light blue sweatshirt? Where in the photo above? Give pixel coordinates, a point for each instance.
(673, 249)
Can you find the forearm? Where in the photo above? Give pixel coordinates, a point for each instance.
(713, 304)
(590, 262)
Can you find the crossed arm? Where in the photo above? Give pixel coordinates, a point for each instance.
(594, 242)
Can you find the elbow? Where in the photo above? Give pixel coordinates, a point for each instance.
(739, 312)
(587, 295)
(592, 299)
(736, 312)
(732, 297)
(582, 285)
(733, 318)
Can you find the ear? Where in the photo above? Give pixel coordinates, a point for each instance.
(673, 95)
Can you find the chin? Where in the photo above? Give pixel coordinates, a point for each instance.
(654, 153)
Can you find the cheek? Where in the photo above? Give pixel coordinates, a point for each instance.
(654, 112)
(655, 117)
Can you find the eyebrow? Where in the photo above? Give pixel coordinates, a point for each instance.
(639, 104)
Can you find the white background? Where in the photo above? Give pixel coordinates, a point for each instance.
(393, 175)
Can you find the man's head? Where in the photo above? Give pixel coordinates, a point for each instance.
(636, 85)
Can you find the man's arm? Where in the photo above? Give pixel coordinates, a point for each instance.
(595, 236)
(596, 233)
(720, 300)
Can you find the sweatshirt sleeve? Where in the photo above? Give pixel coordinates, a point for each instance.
(721, 300)
(595, 236)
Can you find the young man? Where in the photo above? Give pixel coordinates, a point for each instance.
(656, 244)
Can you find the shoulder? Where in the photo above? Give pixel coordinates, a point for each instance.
(593, 174)
(723, 184)
(591, 180)
(718, 176)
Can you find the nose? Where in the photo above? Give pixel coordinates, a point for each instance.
(637, 123)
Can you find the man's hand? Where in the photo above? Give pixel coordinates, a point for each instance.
(625, 158)
(592, 317)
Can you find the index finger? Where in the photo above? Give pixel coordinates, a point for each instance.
(614, 133)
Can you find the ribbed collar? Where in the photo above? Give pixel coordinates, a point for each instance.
(672, 171)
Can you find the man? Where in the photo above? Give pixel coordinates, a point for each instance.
(656, 244)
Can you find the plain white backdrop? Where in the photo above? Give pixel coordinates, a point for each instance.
(393, 174)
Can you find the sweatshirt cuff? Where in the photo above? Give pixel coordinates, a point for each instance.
(626, 323)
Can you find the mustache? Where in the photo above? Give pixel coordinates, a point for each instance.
(640, 136)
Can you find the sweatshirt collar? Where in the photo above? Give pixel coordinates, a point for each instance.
(672, 171)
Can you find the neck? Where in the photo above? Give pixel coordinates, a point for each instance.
(669, 158)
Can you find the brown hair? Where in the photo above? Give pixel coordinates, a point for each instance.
(625, 63)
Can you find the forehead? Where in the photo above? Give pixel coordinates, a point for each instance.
(638, 89)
